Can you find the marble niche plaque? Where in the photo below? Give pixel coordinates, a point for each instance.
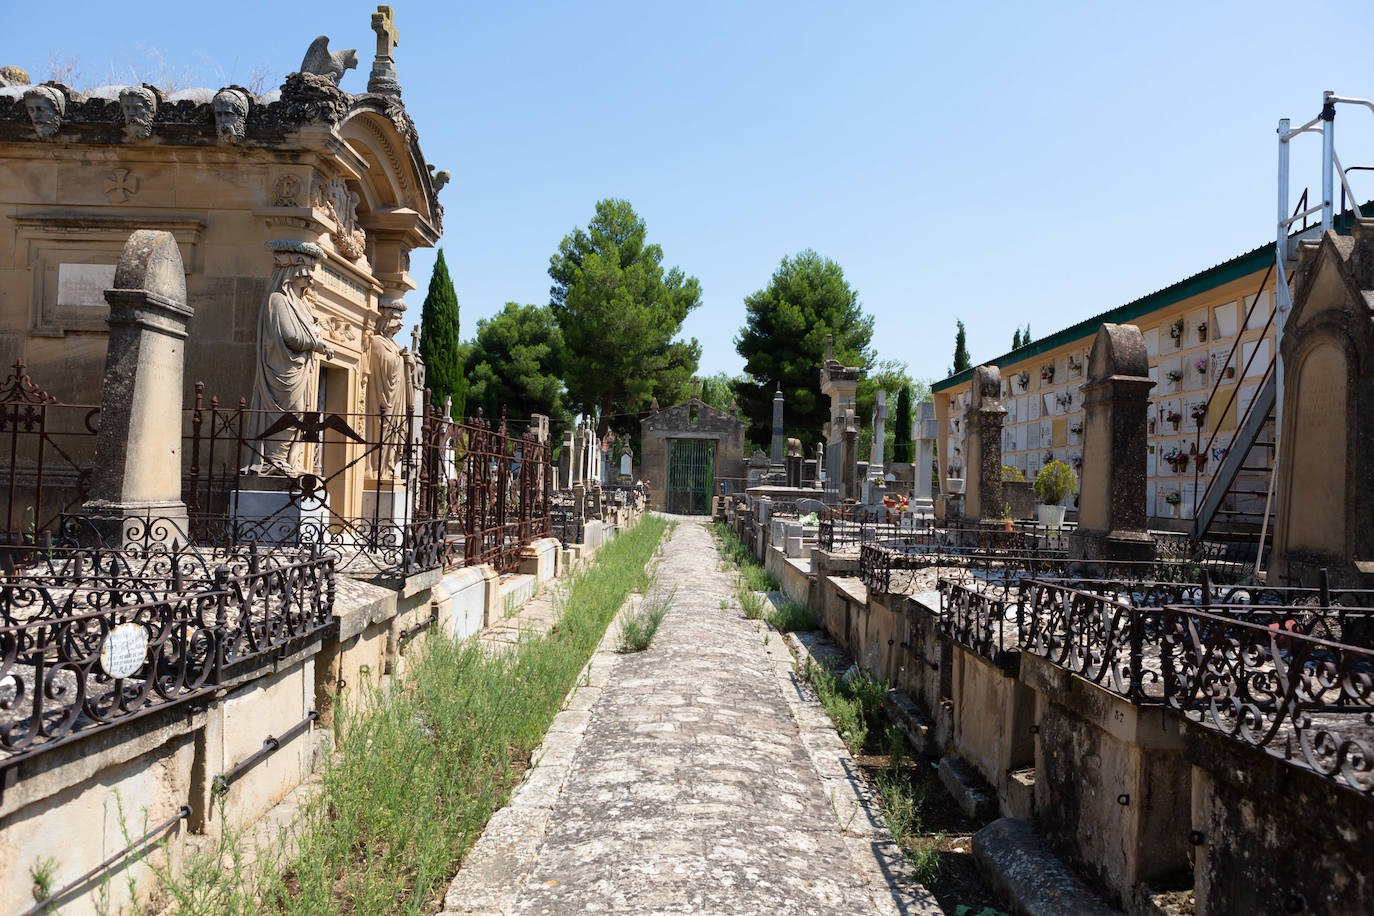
(84, 285)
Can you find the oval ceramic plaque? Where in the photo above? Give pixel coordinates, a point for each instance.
(124, 650)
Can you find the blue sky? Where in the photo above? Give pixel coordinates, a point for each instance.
(1003, 163)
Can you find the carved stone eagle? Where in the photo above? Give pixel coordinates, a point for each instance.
(321, 62)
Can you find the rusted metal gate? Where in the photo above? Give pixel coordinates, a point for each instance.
(691, 474)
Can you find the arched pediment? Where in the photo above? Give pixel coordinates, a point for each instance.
(397, 178)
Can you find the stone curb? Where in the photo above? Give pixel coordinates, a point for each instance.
(1023, 870)
(858, 813)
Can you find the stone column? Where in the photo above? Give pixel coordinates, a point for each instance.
(136, 487)
(1112, 520)
(779, 452)
(840, 384)
(566, 460)
(983, 501)
(849, 458)
(926, 429)
(875, 486)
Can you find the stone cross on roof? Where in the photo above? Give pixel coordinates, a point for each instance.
(383, 79)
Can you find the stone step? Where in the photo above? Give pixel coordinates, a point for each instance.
(1025, 874)
(969, 789)
(915, 724)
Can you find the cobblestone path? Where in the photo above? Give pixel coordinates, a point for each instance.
(695, 777)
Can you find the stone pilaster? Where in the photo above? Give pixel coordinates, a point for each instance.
(1112, 520)
(136, 487)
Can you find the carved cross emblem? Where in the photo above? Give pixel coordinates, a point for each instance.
(120, 185)
(384, 24)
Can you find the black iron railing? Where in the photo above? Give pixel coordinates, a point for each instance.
(67, 676)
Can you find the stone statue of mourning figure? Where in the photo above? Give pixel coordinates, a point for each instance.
(46, 105)
(287, 377)
(388, 393)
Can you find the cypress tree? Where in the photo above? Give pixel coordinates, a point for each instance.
(961, 360)
(903, 447)
(440, 344)
(1016, 339)
(1025, 337)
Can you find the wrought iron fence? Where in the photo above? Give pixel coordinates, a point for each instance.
(494, 488)
(1276, 685)
(382, 494)
(1099, 638)
(67, 672)
(50, 445)
(988, 621)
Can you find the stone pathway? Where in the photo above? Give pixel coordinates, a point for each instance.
(697, 777)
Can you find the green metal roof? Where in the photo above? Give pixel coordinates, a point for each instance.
(1209, 279)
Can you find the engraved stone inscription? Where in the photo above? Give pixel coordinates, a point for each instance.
(84, 285)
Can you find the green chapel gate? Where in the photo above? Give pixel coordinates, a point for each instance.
(691, 476)
(688, 453)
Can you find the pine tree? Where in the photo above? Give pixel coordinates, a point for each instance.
(903, 447)
(440, 343)
(961, 360)
(1025, 337)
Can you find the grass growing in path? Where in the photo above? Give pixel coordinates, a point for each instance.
(422, 768)
(637, 630)
(751, 579)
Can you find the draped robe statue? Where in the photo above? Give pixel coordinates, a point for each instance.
(287, 378)
(388, 390)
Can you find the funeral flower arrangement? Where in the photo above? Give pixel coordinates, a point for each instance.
(1201, 365)
(1064, 399)
(1176, 330)
(1176, 459)
(1023, 379)
(1076, 428)
(1173, 498)
(1173, 416)
(1047, 373)
(1174, 376)
(1198, 411)
(1075, 365)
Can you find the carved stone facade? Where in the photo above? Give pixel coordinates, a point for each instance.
(224, 171)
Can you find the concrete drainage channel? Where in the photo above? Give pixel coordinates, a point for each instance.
(1019, 869)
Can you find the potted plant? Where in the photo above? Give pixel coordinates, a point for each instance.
(1176, 331)
(1173, 416)
(1202, 332)
(1052, 484)
(1006, 516)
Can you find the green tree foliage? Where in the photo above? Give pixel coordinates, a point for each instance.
(1025, 336)
(961, 359)
(620, 311)
(440, 344)
(1016, 339)
(783, 341)
(719, 390)
(903, 448)
(515, 362)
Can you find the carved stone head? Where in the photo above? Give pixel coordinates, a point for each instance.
(140, 107)
(46, 106)
(231, 114)
(295, 265)
(391, 318)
